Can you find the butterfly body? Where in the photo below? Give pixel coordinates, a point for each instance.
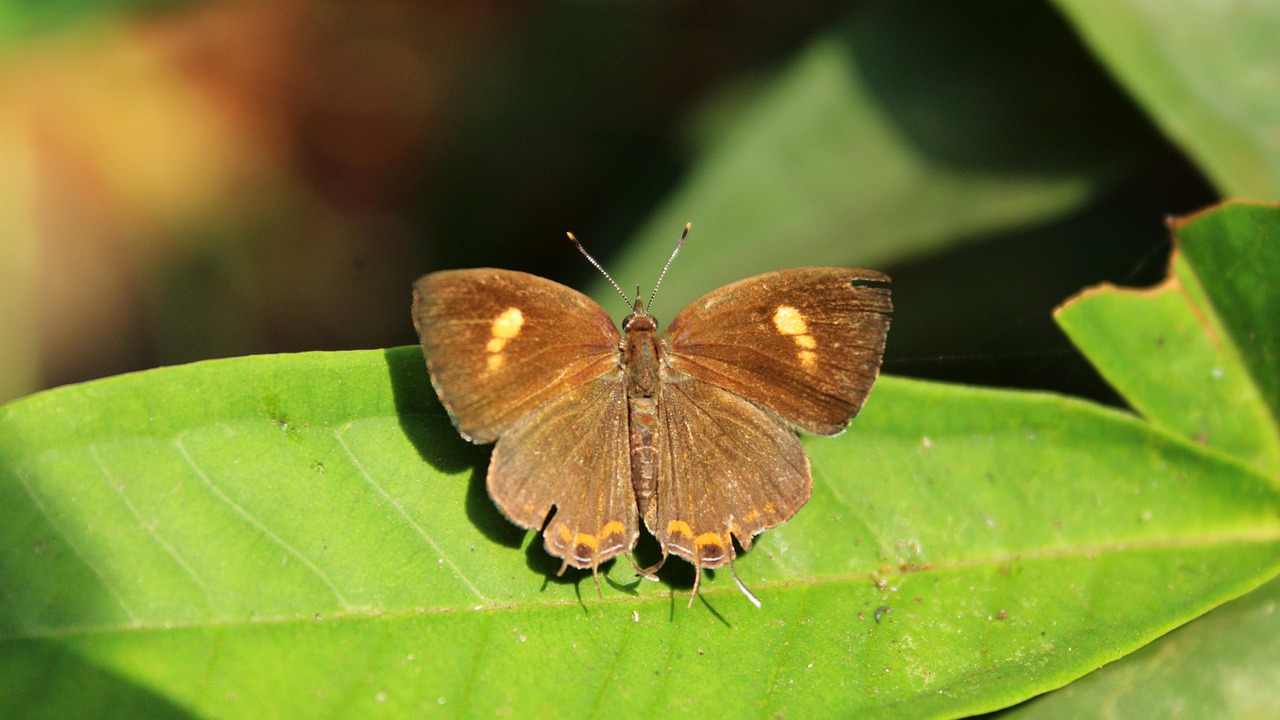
(641, 355)
(692, 432)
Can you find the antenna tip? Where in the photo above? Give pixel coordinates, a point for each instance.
(571, 237)
(687, 226)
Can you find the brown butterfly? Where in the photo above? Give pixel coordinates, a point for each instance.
(693, 431)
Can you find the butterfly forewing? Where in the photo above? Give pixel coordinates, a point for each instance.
(804, 343)
(728, 468)
(500, 344)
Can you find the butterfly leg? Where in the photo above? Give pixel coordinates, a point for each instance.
(697, 580)
(595, 575)
(595, 572)
(646, 573)
(651, 571)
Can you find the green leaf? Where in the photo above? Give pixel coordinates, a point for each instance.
(1205, 72)
(306, 535)
(1226, 664)
(1199, 353)
(865, 148)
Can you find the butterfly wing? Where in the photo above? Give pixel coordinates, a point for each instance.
(804, 343)
(535, 365)
(500, 344)
(744, 366)
(728, 467)
(571, 453)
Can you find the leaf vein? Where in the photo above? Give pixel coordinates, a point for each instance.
(118, 488)
(110, 588)
(204, 478)
(355, 462)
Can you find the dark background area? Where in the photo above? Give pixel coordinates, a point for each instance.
(199, 180)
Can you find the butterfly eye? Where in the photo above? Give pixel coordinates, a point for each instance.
(639, 323)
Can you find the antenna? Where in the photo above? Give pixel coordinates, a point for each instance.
(679, 244)
(602, 272)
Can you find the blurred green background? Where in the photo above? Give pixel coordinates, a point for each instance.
(187, 180)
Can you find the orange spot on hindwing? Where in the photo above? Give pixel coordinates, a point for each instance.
(565, 533)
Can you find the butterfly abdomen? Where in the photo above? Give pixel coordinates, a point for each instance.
(644, 450)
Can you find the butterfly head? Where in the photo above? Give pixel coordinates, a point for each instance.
(639, 320)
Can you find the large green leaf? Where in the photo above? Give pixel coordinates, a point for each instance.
(1208, 335)
(305, 535)
(1224, 665)
(1205, 71)
(1211, 326)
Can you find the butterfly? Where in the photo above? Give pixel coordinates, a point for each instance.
(692, 432)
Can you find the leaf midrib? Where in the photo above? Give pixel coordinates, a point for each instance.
(1254, 535)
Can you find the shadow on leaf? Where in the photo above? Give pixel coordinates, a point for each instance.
(427, 426)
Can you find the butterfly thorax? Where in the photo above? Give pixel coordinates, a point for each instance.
(641, 357)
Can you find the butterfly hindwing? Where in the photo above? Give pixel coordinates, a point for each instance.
(804, 343)
(571, 454)
(501, 343)
(727, 468)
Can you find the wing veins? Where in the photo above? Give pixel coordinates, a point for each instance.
(726, 431)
